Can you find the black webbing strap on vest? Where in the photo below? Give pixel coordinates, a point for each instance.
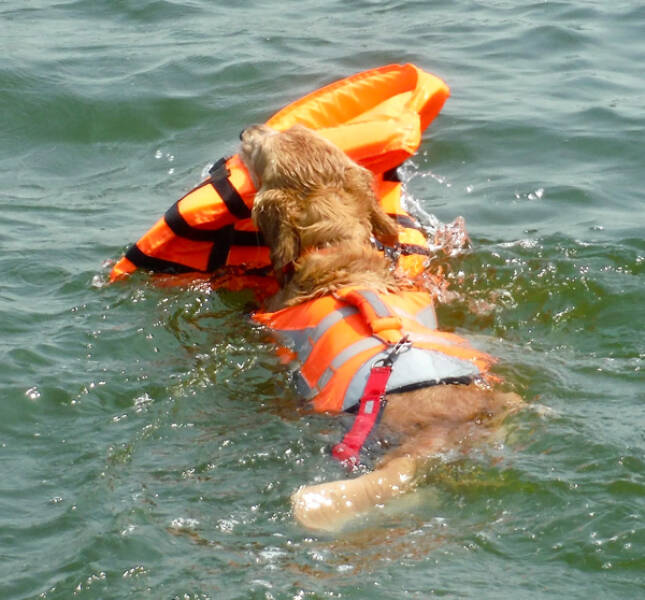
(181, 228)
(409, 223)
(219, 179)
(404, 249)
(158, 265)
(221, 246)
(392, 175)
(406, 220)
(218, 169)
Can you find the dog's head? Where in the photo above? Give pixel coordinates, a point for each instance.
(311, 195)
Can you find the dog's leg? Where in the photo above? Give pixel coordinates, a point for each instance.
(329, 506)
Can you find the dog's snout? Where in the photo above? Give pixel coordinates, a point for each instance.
(250, 130)
(255, 132)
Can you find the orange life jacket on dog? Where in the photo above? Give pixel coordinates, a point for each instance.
(336, 340)
(377, 117)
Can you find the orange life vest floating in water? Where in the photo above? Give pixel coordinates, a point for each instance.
(377, 117)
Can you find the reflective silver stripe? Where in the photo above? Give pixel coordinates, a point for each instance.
(358, 382)
(305, 339)
(426, 317)
(353, 350)
(348, 353)
(438, 339)
(380, 308)
(324, 378)
(300, 340)
(331, 319)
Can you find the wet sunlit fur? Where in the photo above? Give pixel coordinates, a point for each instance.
(317, 211)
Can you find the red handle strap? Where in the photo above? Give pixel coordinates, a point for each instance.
(371, 404)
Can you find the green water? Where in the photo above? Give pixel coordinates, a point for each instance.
(148, 439)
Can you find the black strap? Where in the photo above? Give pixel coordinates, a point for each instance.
(219, 169)
(406, 249)
(405, 220)
(247, 238)
(158, 265)
(229, 236)
(226, 237)
(231, 198)
(392, 175)
(220, 181)
(180, 227)
(410, 387)
(219, 251)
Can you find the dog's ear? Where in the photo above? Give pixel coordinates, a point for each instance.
(271, 216)
(383, 227)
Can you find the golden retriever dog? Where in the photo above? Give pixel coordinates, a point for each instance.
(318, 213)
